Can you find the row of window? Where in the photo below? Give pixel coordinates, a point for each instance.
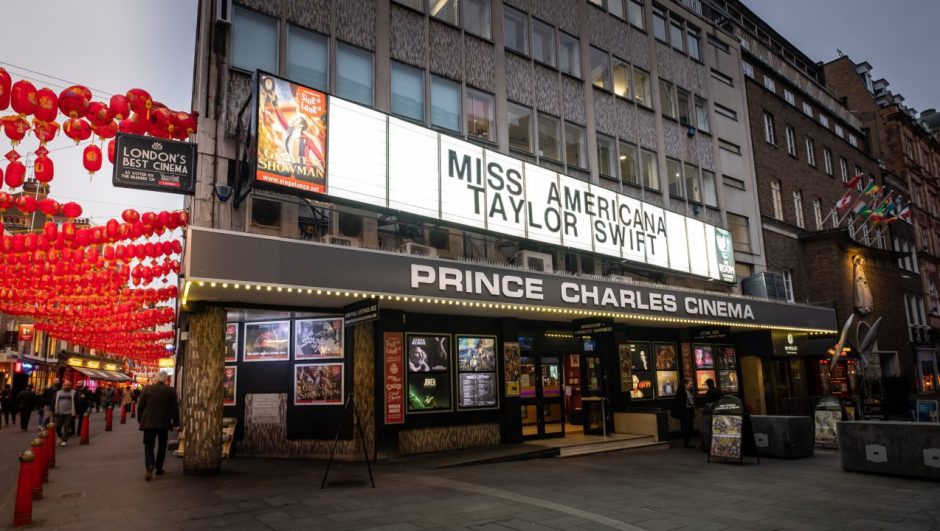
(770, 136)
(471, 15)
(776, 198)
(674, 31)
(538, 39)
(628, 10)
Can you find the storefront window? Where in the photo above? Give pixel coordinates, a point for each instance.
(569, 55)
(254, 41)
(549, 137)
(445, 103)
(575, 145)
(481, 115)
(354, 76)
(307, 58)
(520, 128)
(408, 91)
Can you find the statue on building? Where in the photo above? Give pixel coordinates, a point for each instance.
(863, 300)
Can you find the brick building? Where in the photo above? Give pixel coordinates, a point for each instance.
(910, 152)
(807, 147)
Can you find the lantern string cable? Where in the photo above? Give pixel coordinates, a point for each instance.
(70, 83)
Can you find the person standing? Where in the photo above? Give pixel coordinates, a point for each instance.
(126, 399)
(65, 412)
(157, 411)
(683, 409)
(108, 396)
(711, 395)
(46, 411)
(96, 398)
(26, 402)
(82, 403)
(8, 404)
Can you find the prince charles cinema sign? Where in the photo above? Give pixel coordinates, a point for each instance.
(309, 142)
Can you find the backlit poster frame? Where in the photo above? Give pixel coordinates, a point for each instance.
(475, 341)
(251, 356)
(422, 368)
(302, 376)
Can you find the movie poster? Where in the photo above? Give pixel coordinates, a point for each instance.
(727, 360)
(726, 436)
(267, 341)
(512, 368)
(704, 357)
(667, 383)
(476, 390)
(927, 411)
(318, 338)
(826, 431)
(642, 387)
(701, 377)
(428, 353)
(231, 342)
(641, 357)
(292, 126)
(666, 359)
(626, 368)
(318, 384)
(728, 381)
(428, 392)
(476, 354)
(229, 385)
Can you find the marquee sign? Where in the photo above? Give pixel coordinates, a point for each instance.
(310, 142)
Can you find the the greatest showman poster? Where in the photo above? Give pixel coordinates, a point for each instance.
(292, 121)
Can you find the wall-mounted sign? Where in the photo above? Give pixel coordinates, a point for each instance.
(166, 362)
(26, 332)
(372, 158)
(153, 164)
(361, 312)
(394, 378)
(789, 343)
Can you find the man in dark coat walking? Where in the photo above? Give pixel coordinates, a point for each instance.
(157, 411)
(26, 402)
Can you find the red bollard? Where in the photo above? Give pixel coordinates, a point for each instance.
(108, 418)
(36, 481)
(44, 437)
(50, 430)
(123, 414)
(133, 410)
(85, 432)
(23, 510)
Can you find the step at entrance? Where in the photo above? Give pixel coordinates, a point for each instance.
(592, 444)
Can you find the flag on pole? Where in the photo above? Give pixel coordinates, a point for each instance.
(905, 213)
(854, 181)
(844, 202)
(871, 189)
(862, 209)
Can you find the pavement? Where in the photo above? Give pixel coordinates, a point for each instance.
(101, 486)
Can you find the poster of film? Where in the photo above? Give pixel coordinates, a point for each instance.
(318, 384)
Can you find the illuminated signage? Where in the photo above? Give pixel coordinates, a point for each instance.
(110, 367)
(372, 158)
(26, 332)
(75, 362)
(91, 364)
(164, 363)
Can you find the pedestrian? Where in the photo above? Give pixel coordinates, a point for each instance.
(82, 403)
(26, 402)
(711, 396)
(683, 408)
(109, 396)
(126, 399)
(96, 398)
(8, 404)
(157, 411)
(65, 412)
(46, 411)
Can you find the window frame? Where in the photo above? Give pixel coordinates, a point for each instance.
(734, 221)
(468, 93)
(647, 100)
(700, 113)
(827, 162)
(594, 54)
(634, 152)
(341, 45)
(810, 152)
(790, 134)
(489, 19)
(405, 67)
(326, 41)
(558, 137)
(670, 92)
(568, 126)
(770, 133)
(277, 44)
(675, 183)
(693, 182)
(554, 42)
(614, 63)
(530, 133)
(776, 198)
(727, 112)
(455, 7)
(460, 104)
(613, 158)
(511, 12)
(706, 187)
(685, 96)
(660, 14)
(634, 4)
(648, 160)
(818, 212)
(798, 209)
(562, 37)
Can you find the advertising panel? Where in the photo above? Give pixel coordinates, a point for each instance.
(640, 356)
(667, 382)
(429, 373)
(927, 411)
(231, 342)
(827, 415)
(318, 338)
(476, 353)
(643, 388)
(149, 163)
(512, 368)
(268, 341)
(704, 357)
(727, 428)
(229, 385)
(318, 384)
(666, 359)
(394, 378)
(476, 390)
(428, 353)
(626, 368)
(428, 392)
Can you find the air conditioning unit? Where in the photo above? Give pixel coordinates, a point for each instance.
(418, 250)
(344, 241)
(534, 261)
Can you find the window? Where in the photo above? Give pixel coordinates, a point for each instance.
(718, 43)
(674, 176)
(616, 8)
(621, 75)
(817, 213)
(308, 57)
(709, 189)
(694, 43)
(692, 184)
(788, 284)
(354, 73)
(407, 91)
(748, 69)
(445, 10)
(776, 199)
(791, 141)
(807, 109)
(839, 131)
(606, 156)
(635, 14)
(787, 95)
(726, 79)
(476, 18)
(824, 120)
(515, 24)
(667, 99)
(675, 35)
(543, 42)
(417, 5)
(769, 84)
(934, 298)
(481, 115)
(726, 112)
(729, 146)
(827, 161)
(445, 103)
(727, 180)
(520, 128)
(549, 137)
(798, 208)
(649, 169)
(740, 232)
(575, 145)
(641, 88)
(598, 3)
(858, 171)
(685, 107)
(600, 69)
(569, 55)
(770, 135)
(852, 140)
(628, 172)
(810, 152)
(254, 41)
(844, 169)
(701, 115)
(659, 24)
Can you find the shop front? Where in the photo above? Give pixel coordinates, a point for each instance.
(440, 354)
(93, 371)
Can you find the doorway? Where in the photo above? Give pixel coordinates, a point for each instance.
(541, 387)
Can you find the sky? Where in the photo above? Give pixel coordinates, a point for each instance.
(897, 37)
(110, 46)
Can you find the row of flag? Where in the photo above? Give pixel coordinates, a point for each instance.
(875, 204)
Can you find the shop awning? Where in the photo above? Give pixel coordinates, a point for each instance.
(101, 374)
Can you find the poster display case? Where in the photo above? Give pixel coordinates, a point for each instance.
(429, 373)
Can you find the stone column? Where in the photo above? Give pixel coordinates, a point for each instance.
(204, 368)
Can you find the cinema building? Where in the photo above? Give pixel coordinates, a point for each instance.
(485, 221)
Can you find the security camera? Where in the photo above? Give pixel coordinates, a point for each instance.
(223, 192)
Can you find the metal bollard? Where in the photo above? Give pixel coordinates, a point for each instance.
(108, 418)
(23, 509)
(36, 480)
(123, 414)
(86, 430)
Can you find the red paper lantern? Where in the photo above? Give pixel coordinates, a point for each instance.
(77, 129)
(91, 158)
(71, 209)
(148, 219)
(15, 127)
(99, 113)
(43, 169)
(16, 174)
(50, 231)
(26, 204)
(45, 131)
(106, 131)
(130, 216)
(74, 101)
(5, 83)
(140, 101)
(137, 124)
(50, 207)
(47, 105)
(119, 107)
(111, 146)
(23, 97)
(6, 200)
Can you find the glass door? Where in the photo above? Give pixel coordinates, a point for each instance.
(542, 407)
(592, 371)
